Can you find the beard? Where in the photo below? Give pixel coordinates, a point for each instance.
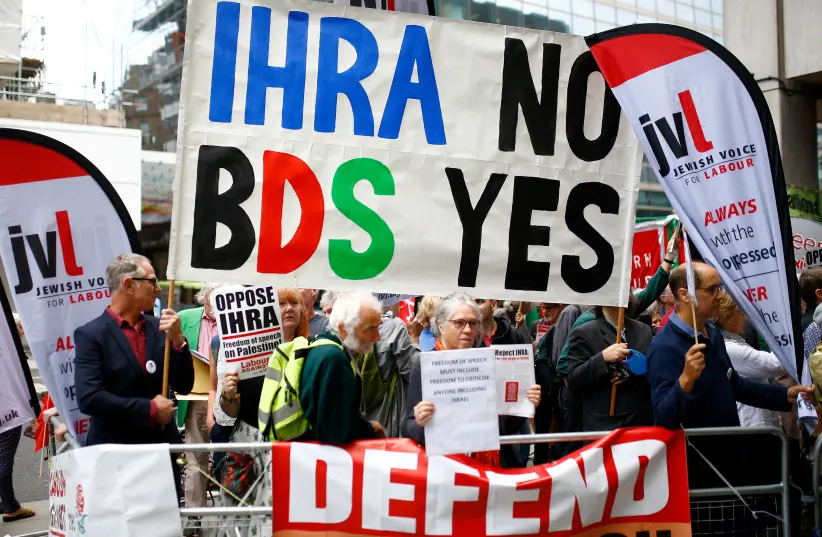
(357, 346)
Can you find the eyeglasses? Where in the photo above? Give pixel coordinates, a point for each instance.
(152, 280)
(713, 290)
(459, 324)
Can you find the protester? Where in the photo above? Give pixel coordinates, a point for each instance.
(294, 323)
(317, 324)
(10, 507)
(810, 290)
(330, 386)
(569, 406)
(548, 314)
(549, 382)
(386, 373)
(695, 385)
(199, 327)
(516, 312)
(421, 328)
(748, 362)
(327, 302)
(118, 363)
(495, 331)
(666, 303)
(235, 412)
(457, 319)
(594, 368)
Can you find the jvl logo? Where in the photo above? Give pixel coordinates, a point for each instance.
(46, 258)
(676, 141)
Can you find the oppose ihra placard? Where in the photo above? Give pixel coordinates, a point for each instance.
(335, 147)
(248, 320)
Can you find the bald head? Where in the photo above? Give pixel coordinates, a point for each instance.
(679, 278)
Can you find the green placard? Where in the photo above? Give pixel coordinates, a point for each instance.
(804, 202)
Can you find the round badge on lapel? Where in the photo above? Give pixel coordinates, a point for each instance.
(151, 367)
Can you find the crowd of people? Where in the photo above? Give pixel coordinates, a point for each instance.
(353, 369)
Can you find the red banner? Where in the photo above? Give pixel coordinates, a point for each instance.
(647, 252)
(631, 481)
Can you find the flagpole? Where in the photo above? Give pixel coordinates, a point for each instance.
(620, 323)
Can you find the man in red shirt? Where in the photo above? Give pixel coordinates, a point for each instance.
(118, 362)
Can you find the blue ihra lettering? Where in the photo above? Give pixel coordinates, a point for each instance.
(415, 52)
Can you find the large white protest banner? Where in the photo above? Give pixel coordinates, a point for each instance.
(708, 134)
(462, 386)
(64, 224)
(17, 398)
(336, 147)
(108, 490)
(248, 320)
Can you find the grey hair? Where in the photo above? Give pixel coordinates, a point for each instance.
(445, 309)
(347, 308)
(202, 294)
(329, 298)
(124, 266)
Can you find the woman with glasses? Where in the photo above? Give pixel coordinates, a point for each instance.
(238, 402)
(457, 319)
(750, 363)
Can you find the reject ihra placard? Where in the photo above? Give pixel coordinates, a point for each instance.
(334, 147)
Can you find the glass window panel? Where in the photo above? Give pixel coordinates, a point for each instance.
(584, 8)
(703, 4)
(645, 19)
(483, 12)
(703, 18)
(453, 9)
(625, 17)
(508, 16)
(717, 6)
(666, 7)
(719, 39)
(649, 5)
(583, 26)
(603, 26)
(718, 22)
(605, 13)
(562, 24)
(564, 5)
(685, 13)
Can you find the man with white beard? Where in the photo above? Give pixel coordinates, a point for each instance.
(330, 382)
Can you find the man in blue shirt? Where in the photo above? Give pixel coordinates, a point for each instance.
(694, 385)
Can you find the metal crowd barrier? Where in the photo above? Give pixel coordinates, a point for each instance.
(780, 489)
(817, 493)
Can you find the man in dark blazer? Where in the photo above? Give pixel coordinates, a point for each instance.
(593, 355)
(119, 361)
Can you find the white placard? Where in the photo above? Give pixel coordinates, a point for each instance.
(248, 320)
(462, 386)
(108, 490)
(515, 375)
(406, 153)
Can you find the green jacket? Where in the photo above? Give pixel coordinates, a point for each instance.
(331, 395)
(386, 375)
(646, 298)
(190, 321)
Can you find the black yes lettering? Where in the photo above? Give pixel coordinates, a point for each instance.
(586, 280)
